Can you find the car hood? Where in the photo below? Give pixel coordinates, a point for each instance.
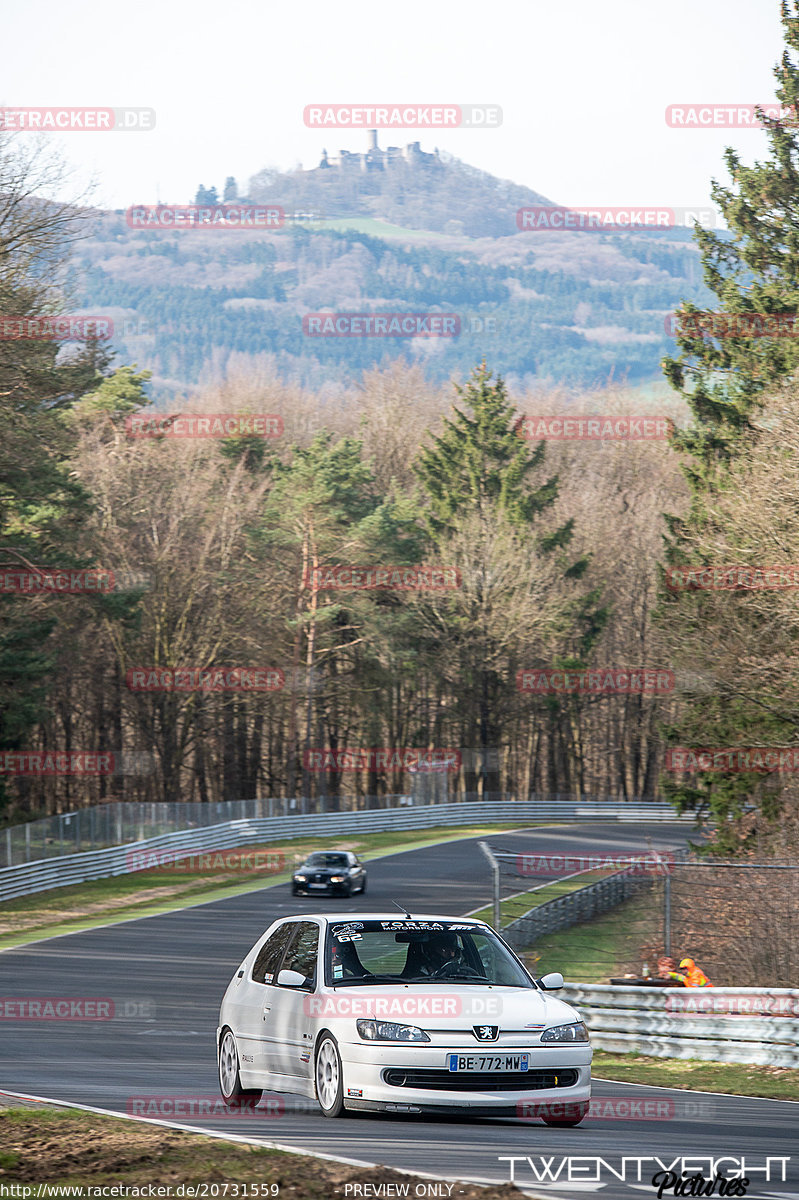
(447, 1006)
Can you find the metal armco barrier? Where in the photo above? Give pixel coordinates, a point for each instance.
(637, 1019)
(573, 908)
(29, 877)
(99, 826)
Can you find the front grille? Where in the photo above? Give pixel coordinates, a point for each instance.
(479, 1081)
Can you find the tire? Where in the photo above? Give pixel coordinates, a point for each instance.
(233, 1094)
(568, 1121)
(329, 1077)
(295, 891)
(363, 885)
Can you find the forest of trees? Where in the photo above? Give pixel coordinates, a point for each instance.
(553, 309)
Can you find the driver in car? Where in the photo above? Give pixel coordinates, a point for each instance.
(441, 955)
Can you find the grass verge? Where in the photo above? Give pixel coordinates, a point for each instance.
(594, 951)
(146, 893)
(736, 1079)
(78, 1150)
(517, 905)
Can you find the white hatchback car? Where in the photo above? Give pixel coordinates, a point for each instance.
(404, 1014)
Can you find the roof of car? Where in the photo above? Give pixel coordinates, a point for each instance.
(389, 916)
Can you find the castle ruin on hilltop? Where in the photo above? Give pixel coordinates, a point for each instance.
(375, 159)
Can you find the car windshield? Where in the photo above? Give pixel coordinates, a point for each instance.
(408, 951)
(326, 860)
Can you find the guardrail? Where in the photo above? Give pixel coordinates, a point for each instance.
(574, 907)
(99, 826)
(686, 1022)
(27, 878)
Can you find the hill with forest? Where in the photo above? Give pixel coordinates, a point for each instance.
(433, 236)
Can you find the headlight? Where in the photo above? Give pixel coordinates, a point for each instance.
(390, 1031)
(300, 878)
(575, 1032)
(336, 878)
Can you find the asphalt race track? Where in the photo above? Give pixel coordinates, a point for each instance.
(166, 975)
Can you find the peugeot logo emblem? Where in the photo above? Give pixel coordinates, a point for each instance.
(486, 1033)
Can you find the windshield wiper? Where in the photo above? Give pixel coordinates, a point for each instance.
(367, 978)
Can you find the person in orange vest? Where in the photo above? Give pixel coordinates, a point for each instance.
(690, 975)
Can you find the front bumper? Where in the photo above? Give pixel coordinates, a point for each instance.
(329, 889)
(365, 1066)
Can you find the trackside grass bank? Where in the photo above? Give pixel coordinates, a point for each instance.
(776, 1083)
(81, 1151)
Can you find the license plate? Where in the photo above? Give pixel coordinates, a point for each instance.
(489, 1062)
(317, 885)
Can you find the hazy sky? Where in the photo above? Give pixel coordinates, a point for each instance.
(583, 86)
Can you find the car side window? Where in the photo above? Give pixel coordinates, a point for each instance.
(302, 953)
(267, 961)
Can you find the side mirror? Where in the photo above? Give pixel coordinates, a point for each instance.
(292, 979)
(550, 982)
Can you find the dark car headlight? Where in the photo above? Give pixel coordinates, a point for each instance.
(575, 1031)
(390, 1031)
(336, 878)
(300, 878)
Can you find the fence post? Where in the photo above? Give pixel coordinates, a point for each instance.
(495, 885)
(667, 915)
(8, 847)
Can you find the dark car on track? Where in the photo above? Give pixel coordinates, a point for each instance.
(334, 872)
